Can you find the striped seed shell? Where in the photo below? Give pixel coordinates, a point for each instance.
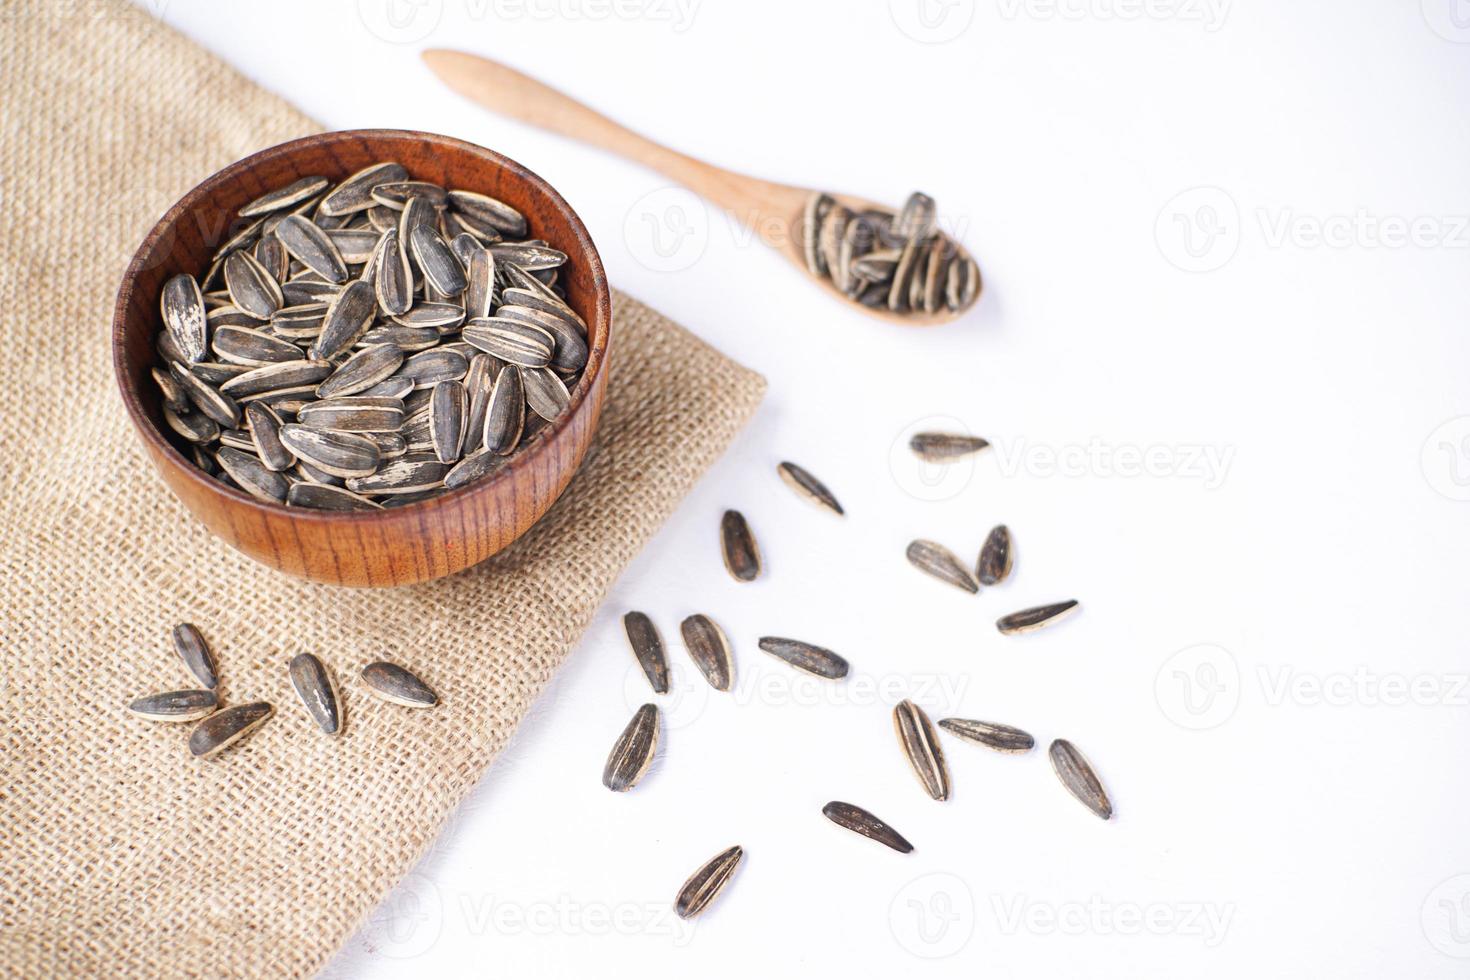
(192, 426)
(530, 256)
(707, 882)
(301, 321)
(499, 215)
(276, 377)
(1075, 773)
(1034, 618)
(206, 398)
(408, 474)
(962, 283)
(648, 650)
(920, 743)
(633, 752)
(391, 387)
(546, 394)
(392, 275)
(190, 705)
(479, 382)
(341, 454)
(365, 368)
(513, 341)
(443, 317)
(251, 474)
(171, 390)
(265, 437)
(182, 307)
(473, 467)
(406, 339)
(505, 415)
(569, 351)
(860, 821)
(251, 287)
(285, 197)
(427, 368)
(479, 273)
(447, 410)
(996, 557)
(396, 194)
(216, 372)
(255, 348)
(937, 560)
(1001, 738)
(917, 218)
(815, 212)
(432, 255)
(805, 656)
(224, 728)
(355, 193)
(320, 496)
(394, 683)
(346, 320)
(518, 296)
(709, 650)
(353, 413)
(940, 447)
(313, 247)
(829, 238)
(317, 691)
(903, 273)
(801, 480)
(357, 246)
(737, 545)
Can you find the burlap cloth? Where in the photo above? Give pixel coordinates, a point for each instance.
(119, 854)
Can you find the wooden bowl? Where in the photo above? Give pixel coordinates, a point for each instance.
(397, 545)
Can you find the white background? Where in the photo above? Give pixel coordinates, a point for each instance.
(1269, 669)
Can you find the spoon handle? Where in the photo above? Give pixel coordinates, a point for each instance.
(766, 206)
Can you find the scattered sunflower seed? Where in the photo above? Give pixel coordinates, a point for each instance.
(941, 447)
(920, 744)
(737, 545)
(860, 821)
(317, 691)
(804, 656)
(1074, 772)
(800, 480)
(709, 650)
(938, 561)
(996, 557)
(1035, 618)
(1002, 738)
(190, 705)
(707, 882)
(633, 751)
(393, 683)
(224, 728)
(648, 649)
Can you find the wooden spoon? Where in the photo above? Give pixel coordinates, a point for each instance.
(774, 211)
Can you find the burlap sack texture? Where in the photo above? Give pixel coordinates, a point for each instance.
(119, 854)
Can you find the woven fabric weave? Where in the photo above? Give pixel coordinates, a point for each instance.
(119, 854)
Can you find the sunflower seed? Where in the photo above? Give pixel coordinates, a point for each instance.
(396, 194)
(829, 239)
(341, 454)
(860, 821)
(938, 561)
(276, 377)
(444, 317)
(353, 413)
(934, 279)
(224, 728)
(505, 415)
(511, 340)
(569, 349)
(546, 394)
(530, 257)
(1074, 772)
(817, 206)
(313, 247)
(478, 384)
(346, 320)
(633, 751)
(479, 271)
(707, 882)
(300, 322)
(172, 391)
(206, 398)
(962, 283)
(648, 650)
(407, 339)
(192, 426)
(194, 652)
(1002, 738)
(317, 691)
(251, 474)
(709, 650)
(251, 287)
(802, 481)
(447, 411)
(255, 348)
(182, 306)
(355, 193)
(392, 275)
(916, 220)
(393, 683)
(1035, 618)
(472, 467)
(920, 744)
(410, 474)
(188, 705)
(805, 656)
(876, 267)
(285, 197)
(356, 246)
(504, 218)
(217, 372)
(431, 254)
(514, 296)
(362, 370)
(996, 557)
(265, 437)
(737, 544)
(427, 368)
(318, 496)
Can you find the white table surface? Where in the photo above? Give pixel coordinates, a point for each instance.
(1222, 356)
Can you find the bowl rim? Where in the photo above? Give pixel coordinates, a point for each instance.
(544, 440)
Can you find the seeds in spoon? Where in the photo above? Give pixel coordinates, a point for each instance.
(633, 751)
(996, 557)
(920, 744)
(1002, 738)
(702, 887)
(941, 447)
(317, 691)
(938, 561)
(808, 486)
(709, 650)
(1035, 618)
(737, 545)
(190, 705)
(224, 728)
(648, 650)
(860, 821)
(1075, 773)
(394, 683)
(805, 656)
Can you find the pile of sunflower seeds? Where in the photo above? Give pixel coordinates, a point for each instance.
(368, 343)
(219, 728)
(897, 262)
